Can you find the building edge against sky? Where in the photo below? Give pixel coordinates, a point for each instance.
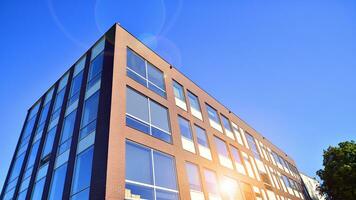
(123, 123)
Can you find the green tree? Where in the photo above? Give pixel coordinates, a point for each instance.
(339, 173)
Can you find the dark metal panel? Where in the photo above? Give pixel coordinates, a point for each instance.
(99, 170)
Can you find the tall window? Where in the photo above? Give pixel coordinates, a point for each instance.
(231, 188)
(237, 160)
(39, 182)
(223, 153)
(214, 118)
(149, 174)
(194, 105)
(212, 185)
(147, 116)
(82, 174)
(237, 132)
(196, 191)
(145, 73)
(186, 134)
(252, 144)
(179, 95)
(227, 127)
(203, 143)
(248, 165)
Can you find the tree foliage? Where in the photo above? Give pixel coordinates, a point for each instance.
(339, 173)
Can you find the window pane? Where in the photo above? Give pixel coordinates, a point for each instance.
(76, 84)
(83, 195)
(213, 115)
(133, 190)
(211, 181)
(165, 195)
(59, 100)
(235, 154)
(193, 176)
(136, 105)
(136, 63)
(82, 171)
(96, 66)
(32, 157)
(38, 189)
(49, 142)
(221, 147)
(226, 123)
(17, 167)
(57, 186)
(44, 113)
(178, 91)
(252, 145)
(138, 163)
(201, 135)
(184, 128)
(165, 173)
(98, 48)
(90, 110)
(194, 102)
(68, 126)
(159, 116)
(155, 76)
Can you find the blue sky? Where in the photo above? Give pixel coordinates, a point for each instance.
(288, 68)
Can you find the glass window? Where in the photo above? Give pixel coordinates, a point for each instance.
(82, 195)
(237, 132)
(159, 116)
(59, 100)
(194, 106)
(138, 164)
(149, 174)
(96, 67)
(44, 113)
(237, 159)
(201, 136)
(227, 127)
(68, 127)
(145, 73)
(252, 144)
(179, 95)
(137, 105)
(231, 188)
(165, 173)
(90, 110)
(57, 185)
(193, 177)
(186, 134)
(155, 77)
(75, 88)
(147, 116)
(184, 128)
(49, 142)
(213, 118)
(223, 153)
(33, 153)
(203, 144)
(211, 184)
(136, 63)
(17, 167)
(38, 189)
(82, 171)
(98, 48)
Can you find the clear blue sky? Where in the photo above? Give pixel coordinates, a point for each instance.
(288, 68)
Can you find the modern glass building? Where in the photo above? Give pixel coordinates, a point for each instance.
(122, 123)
